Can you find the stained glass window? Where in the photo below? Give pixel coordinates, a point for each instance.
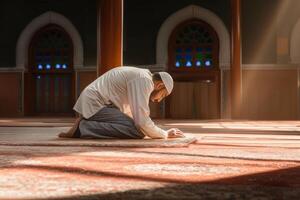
(51, 50)
(194, 45)
(51, 54)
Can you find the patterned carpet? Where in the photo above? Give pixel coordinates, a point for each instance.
(231, 160)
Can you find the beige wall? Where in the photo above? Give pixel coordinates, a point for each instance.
(270, 94)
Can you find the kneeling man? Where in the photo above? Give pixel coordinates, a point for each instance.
(116, 105)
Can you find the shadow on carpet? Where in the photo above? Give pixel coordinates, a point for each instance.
(143, 143)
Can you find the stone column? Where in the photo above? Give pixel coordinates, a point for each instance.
(109, 35)
(236, 73)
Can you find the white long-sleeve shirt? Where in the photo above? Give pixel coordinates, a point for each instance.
(129, 89)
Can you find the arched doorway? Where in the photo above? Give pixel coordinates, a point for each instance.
(193, 61)
(49, 80)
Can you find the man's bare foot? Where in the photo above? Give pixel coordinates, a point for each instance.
(66, 135)
(71, 132)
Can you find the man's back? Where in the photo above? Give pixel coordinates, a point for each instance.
(110, 88)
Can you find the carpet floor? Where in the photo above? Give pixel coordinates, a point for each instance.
(229, 160)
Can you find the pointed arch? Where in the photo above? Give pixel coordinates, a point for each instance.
(37, 23)
(192, 12)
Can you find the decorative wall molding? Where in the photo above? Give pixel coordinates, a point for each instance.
(10, 69)
(39, 22)
(86, 69)
(192, 12)
(153, 68)
(161, 67)
(268, 67)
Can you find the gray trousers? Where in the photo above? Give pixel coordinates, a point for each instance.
(109, 123)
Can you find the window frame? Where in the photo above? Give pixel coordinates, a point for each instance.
(172, 46)
(32, 50)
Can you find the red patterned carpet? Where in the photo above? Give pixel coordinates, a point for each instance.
(231, 160)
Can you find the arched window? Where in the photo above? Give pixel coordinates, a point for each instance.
(51, 50)
(193, 46)
(194, 64)
(51, 71)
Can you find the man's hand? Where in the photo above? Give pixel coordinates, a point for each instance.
(175, 133)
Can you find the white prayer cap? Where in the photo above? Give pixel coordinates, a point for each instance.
(167, 80)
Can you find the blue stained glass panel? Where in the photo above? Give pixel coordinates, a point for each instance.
(64, 66)
(197, 50)
(48, 66)
(58, 66)
(188, 64)
(40, 66)
(208, 63)
(178, 57)
(188, 57)
(198, 63)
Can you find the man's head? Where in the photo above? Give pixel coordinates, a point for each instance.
(163, 85)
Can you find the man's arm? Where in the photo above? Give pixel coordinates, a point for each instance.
(139, 91)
